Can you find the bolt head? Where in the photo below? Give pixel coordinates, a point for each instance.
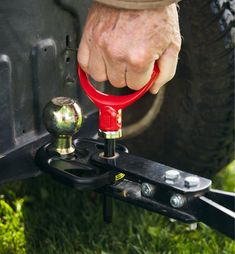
(191, 181)
(62, 116)
(172, 174)
(177, 201)
(147, 189)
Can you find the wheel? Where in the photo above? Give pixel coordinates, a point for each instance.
(190, 124)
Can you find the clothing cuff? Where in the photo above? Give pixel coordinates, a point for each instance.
(137, 4)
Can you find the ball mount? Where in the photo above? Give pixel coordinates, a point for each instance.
(109, 169)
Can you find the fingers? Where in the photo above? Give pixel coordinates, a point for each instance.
(116, 76)
(91, 61)
(83, 55)
(135, 74)
(96, 66)
(136, 80)
(167, 65)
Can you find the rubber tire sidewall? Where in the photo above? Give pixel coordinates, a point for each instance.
(195, 127)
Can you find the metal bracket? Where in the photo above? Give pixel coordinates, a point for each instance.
(141, 182)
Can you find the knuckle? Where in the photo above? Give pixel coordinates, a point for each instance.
(139, 64)
(139, 60)
(135, 86)
(137, 82)
(114, 52)
(82, 64)
(116, 78)
(117, 83)
(99, 40)
(98, 76)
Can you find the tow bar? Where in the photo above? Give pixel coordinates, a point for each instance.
(107, 168)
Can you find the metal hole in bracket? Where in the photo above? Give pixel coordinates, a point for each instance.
(101, 155)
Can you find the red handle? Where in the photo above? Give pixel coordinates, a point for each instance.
(110, 106)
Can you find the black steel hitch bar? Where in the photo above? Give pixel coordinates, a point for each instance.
(141, 182)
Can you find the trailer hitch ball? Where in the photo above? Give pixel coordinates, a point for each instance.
(62, 118)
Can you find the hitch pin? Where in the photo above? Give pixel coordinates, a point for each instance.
(110, 120)
(110, 143)
(109, 148)
(110, 109)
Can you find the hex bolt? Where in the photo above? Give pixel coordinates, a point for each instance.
(147, 190)
(172, 174)
(177, 201)
(191, 181)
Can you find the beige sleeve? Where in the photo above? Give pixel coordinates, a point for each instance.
(137, 4)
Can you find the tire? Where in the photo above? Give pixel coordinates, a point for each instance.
(193, 129)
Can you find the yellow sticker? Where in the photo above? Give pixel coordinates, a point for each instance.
(119, 176)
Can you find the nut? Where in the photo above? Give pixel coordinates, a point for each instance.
(177, 201)
(191, 181)
(172, 174)
(147, 190)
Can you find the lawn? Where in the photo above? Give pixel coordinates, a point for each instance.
(41, 216)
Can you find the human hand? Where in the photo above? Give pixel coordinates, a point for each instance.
(122, 45)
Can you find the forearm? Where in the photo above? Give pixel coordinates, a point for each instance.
(137, 4)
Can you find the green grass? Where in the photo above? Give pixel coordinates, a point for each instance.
(42, 216)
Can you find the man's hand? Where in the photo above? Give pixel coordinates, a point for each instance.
(122, 45)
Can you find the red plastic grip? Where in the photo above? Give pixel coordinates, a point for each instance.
(110, 106)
